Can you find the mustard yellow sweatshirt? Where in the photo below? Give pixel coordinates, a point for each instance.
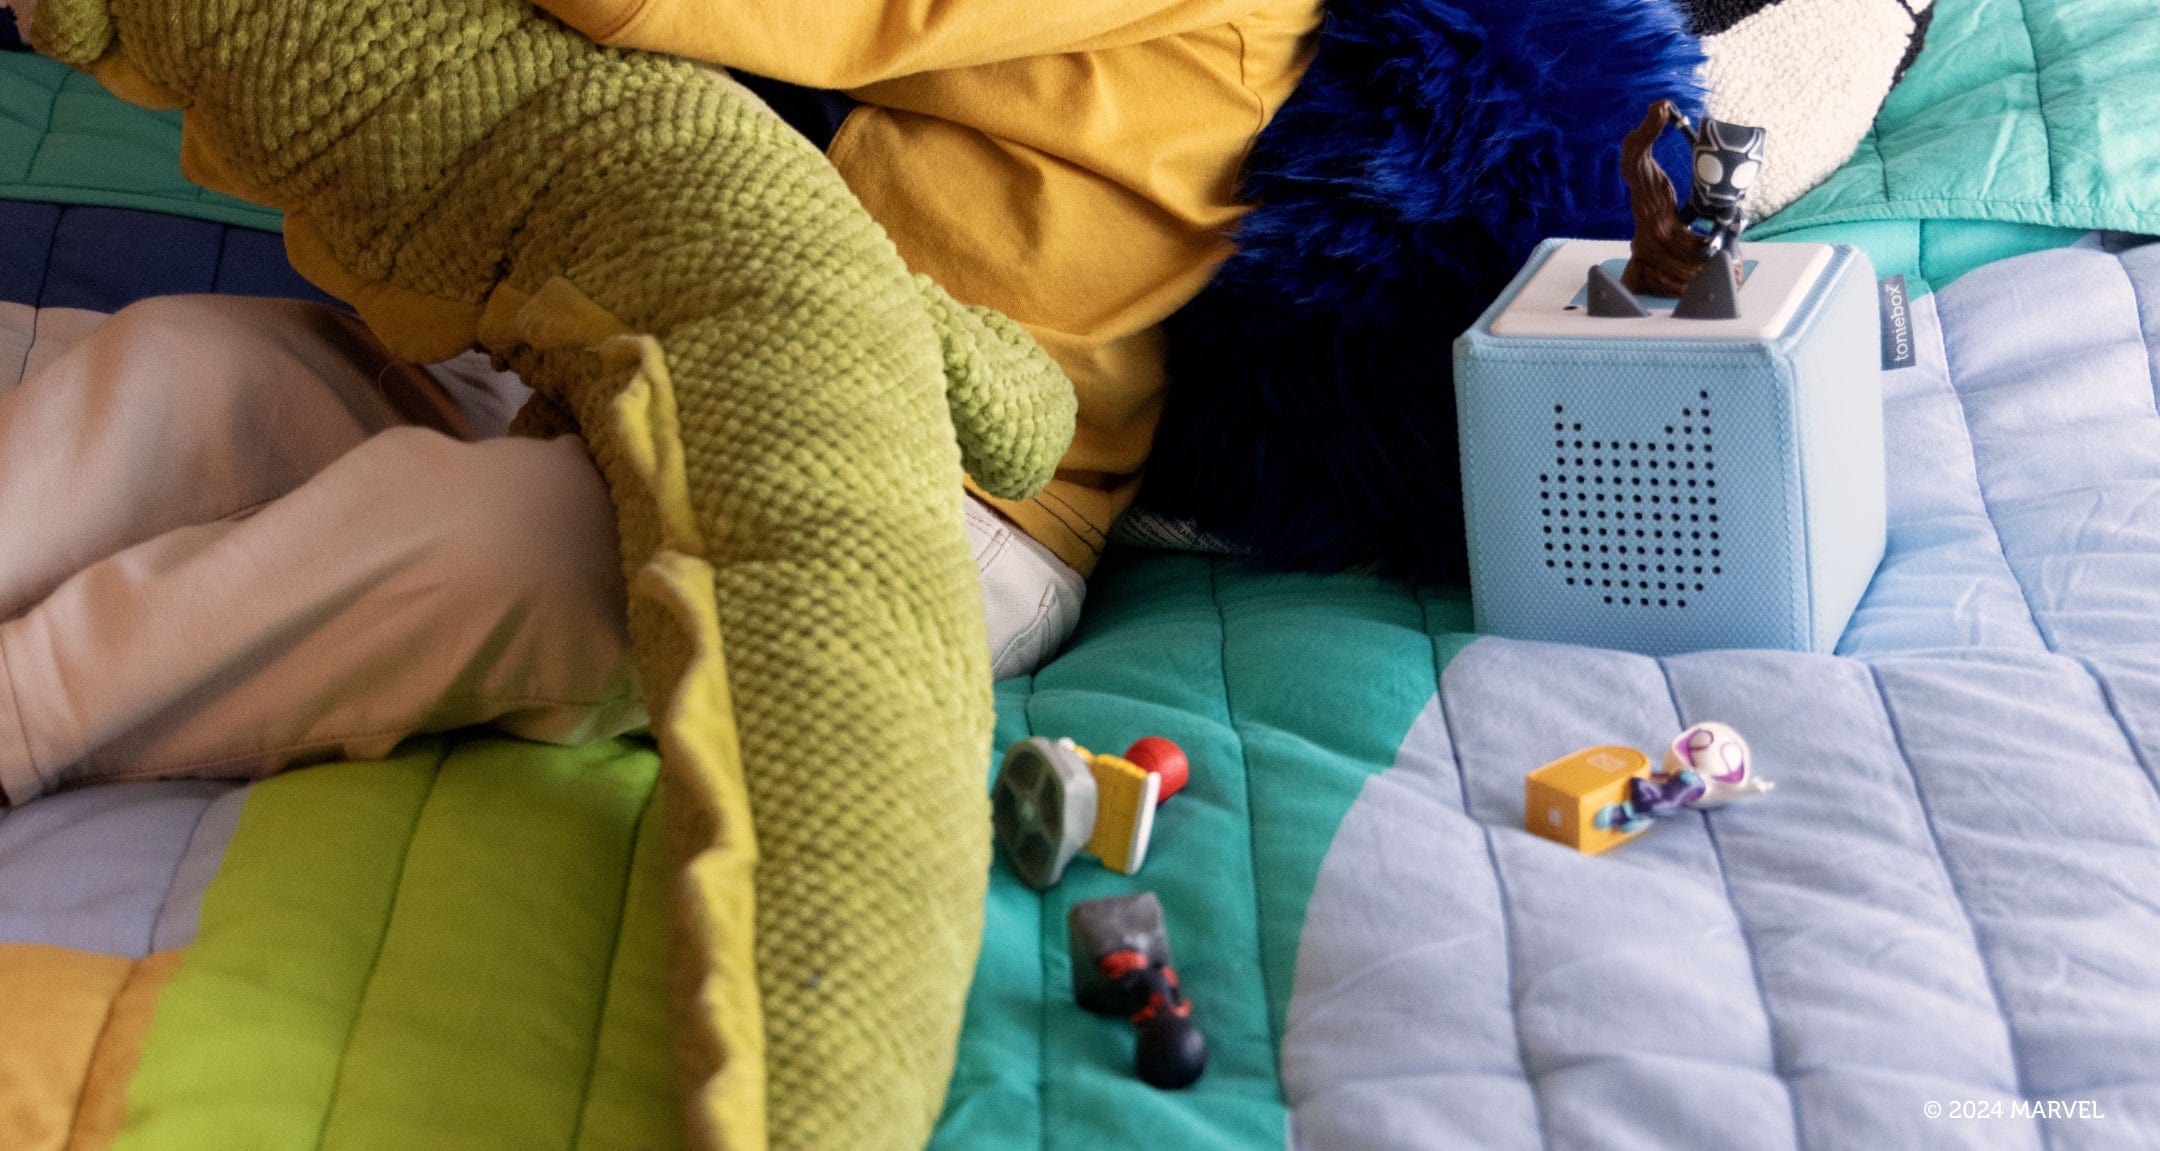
(1071, 164)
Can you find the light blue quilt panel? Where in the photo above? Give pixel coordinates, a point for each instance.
(1949, 899)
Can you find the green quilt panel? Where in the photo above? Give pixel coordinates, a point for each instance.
(65, 139)
(462, 946)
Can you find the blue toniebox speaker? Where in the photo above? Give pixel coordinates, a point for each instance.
(1665, 485)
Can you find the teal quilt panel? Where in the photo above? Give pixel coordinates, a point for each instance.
(2022, 125)
(1287, 693)
(66, 140)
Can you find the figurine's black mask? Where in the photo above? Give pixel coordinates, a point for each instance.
(1728, 157)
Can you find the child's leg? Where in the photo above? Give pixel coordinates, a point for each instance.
(417, 584)
(1031, 599)
(208, 608)
(184, 410)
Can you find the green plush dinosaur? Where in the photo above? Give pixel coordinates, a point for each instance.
(782, 413)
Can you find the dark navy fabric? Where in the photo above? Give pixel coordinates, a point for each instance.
(10, 39)
(26, 236)
(103, 259)
(253, 263)
(815, 112)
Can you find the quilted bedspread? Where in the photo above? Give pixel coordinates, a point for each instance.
(1949, 901)
(461, 946)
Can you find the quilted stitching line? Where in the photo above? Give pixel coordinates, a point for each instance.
(199, 197)
(168, 911)
(607, 987)
(52, 105)
(1042, 1031)
(2152, 338)
(1942, 862)
(2065, 211)
(1492, 859)
(337, 1080)
(1747, 939)
(1882, 162)
(37, 295)
(1980, 488)
(2107, 696)
(215, 209)
(2040, 101)
(112, 1007)
(1252, 831)
(1507, 943)
(1043, 952)
(179, 861)
(217, 261)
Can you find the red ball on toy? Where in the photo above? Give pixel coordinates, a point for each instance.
(1158, 756)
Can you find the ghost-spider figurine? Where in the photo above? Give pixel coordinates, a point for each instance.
(1707, 766)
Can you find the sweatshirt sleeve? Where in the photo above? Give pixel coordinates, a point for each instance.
(851, 43)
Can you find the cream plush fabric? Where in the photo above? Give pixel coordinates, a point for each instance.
(1813, 72)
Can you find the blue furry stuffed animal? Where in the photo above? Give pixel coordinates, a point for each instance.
(1430, 146)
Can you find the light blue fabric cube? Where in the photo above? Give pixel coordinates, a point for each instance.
(1664, 485)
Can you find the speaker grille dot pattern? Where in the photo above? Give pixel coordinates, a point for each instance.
(1633, 522)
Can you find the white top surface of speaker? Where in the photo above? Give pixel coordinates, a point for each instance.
(1550, 305)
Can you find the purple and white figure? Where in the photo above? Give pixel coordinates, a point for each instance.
(1707, 766)
(1663, 794)
(1717, 754)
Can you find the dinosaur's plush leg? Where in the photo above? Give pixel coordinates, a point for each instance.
(774, 401)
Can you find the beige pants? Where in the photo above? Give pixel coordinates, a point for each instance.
(236, 536)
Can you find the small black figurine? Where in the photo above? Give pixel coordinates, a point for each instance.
(1121, 965)
(1728, 157)
(1670, 257)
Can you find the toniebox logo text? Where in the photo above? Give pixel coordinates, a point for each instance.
(1897, 351)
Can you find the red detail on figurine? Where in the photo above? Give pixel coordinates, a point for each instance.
(1158, 756)
(1119, 964)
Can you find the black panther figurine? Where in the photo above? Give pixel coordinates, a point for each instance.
(1693, 250)
(1121, 965)
(1728, 157)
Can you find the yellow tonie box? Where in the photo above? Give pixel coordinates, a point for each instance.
(1562, 798)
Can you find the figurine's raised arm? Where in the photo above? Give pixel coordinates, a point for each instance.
(1665, 254)
(1669, 257)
